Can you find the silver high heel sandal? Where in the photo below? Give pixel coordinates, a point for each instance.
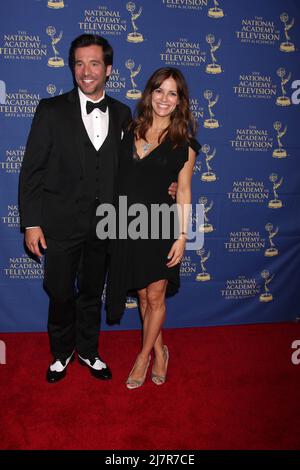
(135, 383)
(160, 379)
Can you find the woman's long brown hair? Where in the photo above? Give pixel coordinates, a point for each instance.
(182, 125)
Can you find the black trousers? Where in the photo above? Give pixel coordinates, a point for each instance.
(75, 271)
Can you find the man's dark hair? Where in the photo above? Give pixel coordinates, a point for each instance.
(85, 40)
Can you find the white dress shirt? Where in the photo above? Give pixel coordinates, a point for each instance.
(95, 123)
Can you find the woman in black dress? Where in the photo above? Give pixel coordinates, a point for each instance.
(158, 149)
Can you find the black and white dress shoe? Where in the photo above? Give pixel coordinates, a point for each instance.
(58, 369)
(97, 367)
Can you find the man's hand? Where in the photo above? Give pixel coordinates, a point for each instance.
(172, 190)
(34, 236)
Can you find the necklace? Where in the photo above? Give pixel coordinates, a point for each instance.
(146, 147)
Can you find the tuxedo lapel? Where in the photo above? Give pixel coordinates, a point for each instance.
(77, 124)
(113, 130)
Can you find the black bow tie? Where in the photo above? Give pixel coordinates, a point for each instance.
(102, 105)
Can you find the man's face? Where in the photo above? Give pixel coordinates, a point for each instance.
(90, 71)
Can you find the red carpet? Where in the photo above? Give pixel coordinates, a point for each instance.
(231, 387)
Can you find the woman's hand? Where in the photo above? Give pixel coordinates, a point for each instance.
(176, 253)
(172, 190)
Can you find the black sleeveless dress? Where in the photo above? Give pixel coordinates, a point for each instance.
(136, 263)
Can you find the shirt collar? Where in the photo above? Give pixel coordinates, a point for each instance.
(83, 99)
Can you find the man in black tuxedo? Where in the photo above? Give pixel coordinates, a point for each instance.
(69, 168)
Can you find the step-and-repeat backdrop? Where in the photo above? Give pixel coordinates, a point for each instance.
(241, 61)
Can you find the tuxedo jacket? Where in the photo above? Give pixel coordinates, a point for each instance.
(52, 178)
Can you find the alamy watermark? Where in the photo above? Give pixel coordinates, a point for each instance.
(2, 352)
(157, 221)
(296, 94)
(2, 92)
(295, 358)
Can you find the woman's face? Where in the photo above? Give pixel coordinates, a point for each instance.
(165, 98)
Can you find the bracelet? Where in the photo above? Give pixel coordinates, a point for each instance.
(184, 234)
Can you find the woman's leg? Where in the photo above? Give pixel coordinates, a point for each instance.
(158, 346)
(153, 311)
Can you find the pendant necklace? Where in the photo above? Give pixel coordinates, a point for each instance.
(146, 147)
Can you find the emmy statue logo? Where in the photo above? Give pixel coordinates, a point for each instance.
(204, 275)
(215, 12)
(51, 89)
(209, 175)
(56, 4)
(135, 36)
(131, 303)
(266, 296)
(55, 61)
(272, 250)
(213, 68)
(275, 203)
(206, 227)
(287, 46)
(280, 152)
(134, 93)
(211, 123)
(283, 100)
